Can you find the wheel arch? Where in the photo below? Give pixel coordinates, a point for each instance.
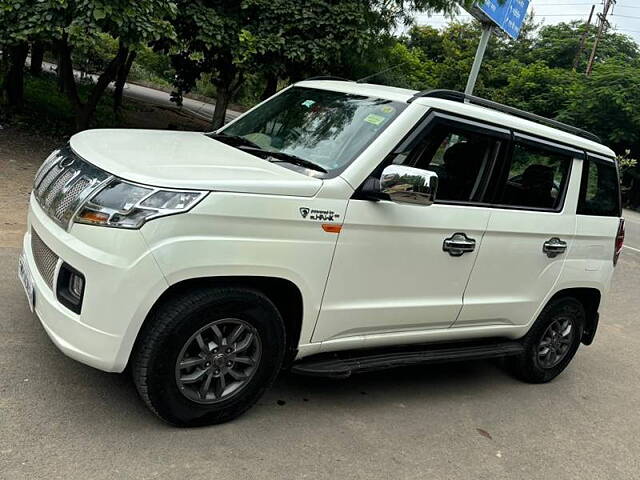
(285, 295)
(590, 299)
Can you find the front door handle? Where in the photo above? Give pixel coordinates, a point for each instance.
(458, 244)
(554, 247)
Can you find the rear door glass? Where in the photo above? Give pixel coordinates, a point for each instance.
(536, 178)
(600, 189)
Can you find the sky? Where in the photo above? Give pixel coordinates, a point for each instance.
(625, 18)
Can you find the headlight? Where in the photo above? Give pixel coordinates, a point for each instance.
(125, 205)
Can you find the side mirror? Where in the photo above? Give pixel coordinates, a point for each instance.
(409, 185)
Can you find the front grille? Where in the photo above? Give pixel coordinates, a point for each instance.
(44, 258)
(63, 182)
(70, 197)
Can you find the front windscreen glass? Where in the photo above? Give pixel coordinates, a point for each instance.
(328, 129)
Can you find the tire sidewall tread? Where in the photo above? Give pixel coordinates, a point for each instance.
(525, 366)
(173, 321)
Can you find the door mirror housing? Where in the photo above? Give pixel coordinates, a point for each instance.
(408, 185)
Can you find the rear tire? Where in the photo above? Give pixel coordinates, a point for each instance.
(552, 341)
(207, 356)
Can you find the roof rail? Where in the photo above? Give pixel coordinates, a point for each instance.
(328, 77)
(516, 112)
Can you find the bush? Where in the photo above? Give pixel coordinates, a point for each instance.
(52, 110)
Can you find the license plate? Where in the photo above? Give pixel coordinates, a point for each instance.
(24, 274)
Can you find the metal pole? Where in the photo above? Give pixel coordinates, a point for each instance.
(477, 62)
(602, 27)
(583, 38)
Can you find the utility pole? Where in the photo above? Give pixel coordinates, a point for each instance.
(583, 38)
(487, 28)
(603, 24)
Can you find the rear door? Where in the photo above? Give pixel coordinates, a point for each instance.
(598, 219)
(530, 231)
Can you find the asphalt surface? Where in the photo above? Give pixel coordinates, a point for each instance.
(62, 420)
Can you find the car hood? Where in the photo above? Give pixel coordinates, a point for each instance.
(187, 160)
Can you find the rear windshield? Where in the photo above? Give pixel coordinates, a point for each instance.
(327, 128)
(600, 190)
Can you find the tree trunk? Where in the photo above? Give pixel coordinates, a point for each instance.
(85, 111)
(61, 68)
(4, 68)
(37, 55)
(121, 78)
(66, 78)
(223, 97)
(271, 87)
(14, 81)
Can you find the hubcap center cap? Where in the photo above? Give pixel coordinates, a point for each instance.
(219, 360)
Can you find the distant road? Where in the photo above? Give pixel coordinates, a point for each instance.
(158, 97)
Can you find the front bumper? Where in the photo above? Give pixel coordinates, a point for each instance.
(123, 282)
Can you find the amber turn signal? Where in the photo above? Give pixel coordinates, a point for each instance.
(331, 228)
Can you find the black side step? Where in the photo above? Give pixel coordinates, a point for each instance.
(344, 364)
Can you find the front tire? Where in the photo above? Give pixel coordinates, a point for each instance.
(552, 341)
(206, 356)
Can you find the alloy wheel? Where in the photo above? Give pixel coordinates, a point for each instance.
(555, 342)
(218, 361)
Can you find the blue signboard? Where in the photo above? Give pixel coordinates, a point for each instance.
(508, 16)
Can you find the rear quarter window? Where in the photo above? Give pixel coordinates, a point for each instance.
(600, 189)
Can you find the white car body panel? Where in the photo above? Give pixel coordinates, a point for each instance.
(390, 273)
(512, 274)
(187, 160)
(247, 235)
(123, 283)
(361, 287)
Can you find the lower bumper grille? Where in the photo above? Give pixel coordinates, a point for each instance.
(44, 258)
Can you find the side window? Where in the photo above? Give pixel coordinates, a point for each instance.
(599, 192)
(536, 178)
(459, 157)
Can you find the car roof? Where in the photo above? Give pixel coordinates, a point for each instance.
(464, 109)
(368, 89)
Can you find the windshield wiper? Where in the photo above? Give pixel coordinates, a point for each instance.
(278, 157)
(236, 139)
(249, 146)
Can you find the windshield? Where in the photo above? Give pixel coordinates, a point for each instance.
(329, 129)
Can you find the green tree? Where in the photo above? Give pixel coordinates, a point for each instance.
(76, 27)
(21, 21)
(279, 38)
(608, 103)
(557, 46)
(81, 23)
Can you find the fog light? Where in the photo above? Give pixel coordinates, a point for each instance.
(70, 287)
(76, 285)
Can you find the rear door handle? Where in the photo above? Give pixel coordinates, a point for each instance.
(458, 244)
(554, 247)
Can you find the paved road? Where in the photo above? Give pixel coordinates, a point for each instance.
(200, 109)
(62, 420)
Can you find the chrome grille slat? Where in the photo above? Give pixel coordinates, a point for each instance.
(56, 187)
(45, 259)
(69, 198)
(44, 169)
(48, 180)
(63, 182)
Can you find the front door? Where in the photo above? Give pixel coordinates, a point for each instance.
(396, 268)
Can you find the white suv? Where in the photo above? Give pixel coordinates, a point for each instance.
(334, 228)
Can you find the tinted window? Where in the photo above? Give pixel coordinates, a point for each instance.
(458, 156)
(327, 128)
(599, 193)
(536, 178)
